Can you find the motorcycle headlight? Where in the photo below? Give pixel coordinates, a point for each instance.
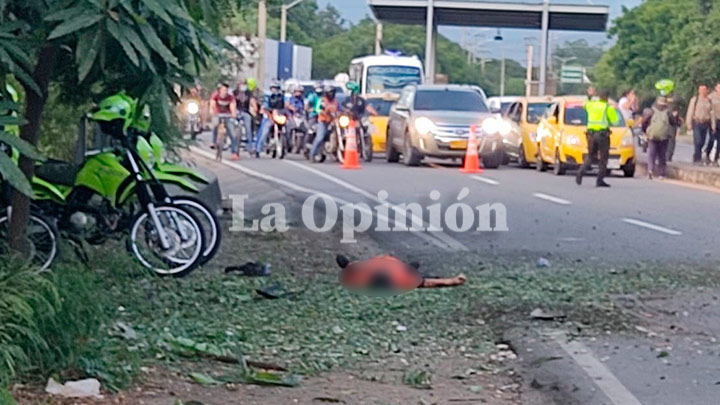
(280, 119)
(573, 140)
(424, 126)
(193, 108)
(344, 121)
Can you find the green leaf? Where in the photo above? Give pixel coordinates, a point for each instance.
(12, 174)
(87, 58)
(65, 14)
(25, 148)
(11, 120)
(157, 45)
(18, 54)
(74, 25)
(158, 10)
(114, 30)
(138, 44)
(203, 379)
(6, 398)
(178, 10)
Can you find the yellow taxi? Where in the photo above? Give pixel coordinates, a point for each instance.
(382, 104)
(524, 116)
(562, 141)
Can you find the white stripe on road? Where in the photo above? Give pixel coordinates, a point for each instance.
(553, 199)
(654, 227)
(451, 242)
(616, 392)
(486, 180)
(211, 156)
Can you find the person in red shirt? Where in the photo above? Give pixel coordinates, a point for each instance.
(328, 113)
(224, 108)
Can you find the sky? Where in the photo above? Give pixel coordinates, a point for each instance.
(514, 41)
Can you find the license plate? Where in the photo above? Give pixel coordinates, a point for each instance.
(458, 144)
(613, 164)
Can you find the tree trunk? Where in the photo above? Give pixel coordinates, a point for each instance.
(31, 133)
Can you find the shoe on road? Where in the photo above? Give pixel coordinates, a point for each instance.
(603, 184)
(578, 179)
(235, 157)
(212, 146)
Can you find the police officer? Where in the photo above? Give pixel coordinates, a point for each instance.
(600, 114)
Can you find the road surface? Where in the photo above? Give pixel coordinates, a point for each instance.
(547, 217)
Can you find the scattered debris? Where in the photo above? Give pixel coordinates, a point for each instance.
(337, 330)
(419, 379)
(203, 379)
(275, 291)
(250, 269)
(125, 331)
(543, 262)
(74, 389)
(401, 328)
(542, 360)
(543, 315)
(190, 347)
(329, 400)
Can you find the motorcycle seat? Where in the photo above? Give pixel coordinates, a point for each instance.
(58, 172)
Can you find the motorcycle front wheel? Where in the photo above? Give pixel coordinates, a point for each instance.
(209, 223)
(184, 234)
(41, 238)
(367, 149)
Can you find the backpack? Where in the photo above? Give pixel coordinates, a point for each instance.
(659, 127)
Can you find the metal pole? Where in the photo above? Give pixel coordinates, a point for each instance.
(378, 38)
(283, 23)
(502, 74)
(528, 77)
(262, 34)
(544, 46)
(429, 42)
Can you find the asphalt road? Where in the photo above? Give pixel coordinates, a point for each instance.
(549, 217)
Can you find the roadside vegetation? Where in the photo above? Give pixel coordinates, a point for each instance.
(113, 321)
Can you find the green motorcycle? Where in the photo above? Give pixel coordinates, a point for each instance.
(108, 196)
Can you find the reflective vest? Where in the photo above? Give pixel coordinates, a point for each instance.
(600, 114)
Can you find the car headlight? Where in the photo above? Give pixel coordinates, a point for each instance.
(344, 121)
(424, 126)
(627, 140)
(573, 140)
(505, 128)
(193, 108)
(491, 126)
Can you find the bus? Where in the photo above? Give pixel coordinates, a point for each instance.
(382, 74)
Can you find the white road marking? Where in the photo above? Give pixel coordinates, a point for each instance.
(451, 242)
(654, 227)
(211, 156)
(616, 392)
(553, 199)
(486, 180)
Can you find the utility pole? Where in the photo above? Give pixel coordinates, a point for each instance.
(283, 18)
(502, 74)
(262, 34)
(544, 46)
(528, 76)
(378, 38)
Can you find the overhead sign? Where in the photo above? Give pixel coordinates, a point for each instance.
(572, 75)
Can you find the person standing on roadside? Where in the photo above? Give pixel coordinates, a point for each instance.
(659, 126)
(675, 112)
(715, 135)
(701, 118)
(628, 104)
(599, 117)
(590, 93)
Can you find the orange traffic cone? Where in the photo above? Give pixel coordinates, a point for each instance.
(472, 159)
(351, 159)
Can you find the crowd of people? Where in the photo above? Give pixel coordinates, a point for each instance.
(247, 113)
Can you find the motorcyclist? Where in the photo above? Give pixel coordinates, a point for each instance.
(326, 116)
(314, 102)
(224, 109)
(243, 98)
(357, 104)
(274, 102)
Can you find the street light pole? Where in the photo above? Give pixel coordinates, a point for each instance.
(502, 74)
(262, 34)
(283, 18)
